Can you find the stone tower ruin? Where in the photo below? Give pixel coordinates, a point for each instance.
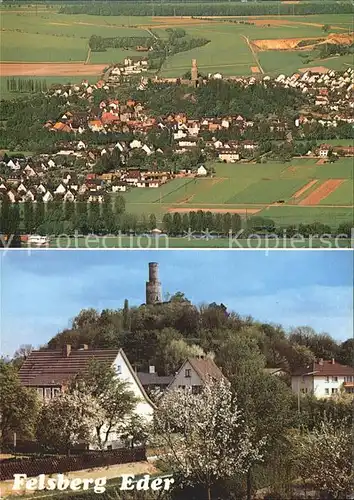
(153, 286)
(194, 72)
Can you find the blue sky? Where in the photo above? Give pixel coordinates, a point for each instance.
(42, 291)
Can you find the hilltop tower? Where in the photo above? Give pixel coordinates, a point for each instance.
(194, 72)
(153, 286)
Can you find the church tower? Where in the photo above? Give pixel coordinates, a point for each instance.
(194, 72)
(153, 286)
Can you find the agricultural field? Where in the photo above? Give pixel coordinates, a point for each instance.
(45, 36)
(304, 190)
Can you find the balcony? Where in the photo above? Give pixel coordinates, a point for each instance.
(348, 384)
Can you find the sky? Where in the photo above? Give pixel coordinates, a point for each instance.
(42, 291)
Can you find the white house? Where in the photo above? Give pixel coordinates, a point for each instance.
(69, 196)
(194, 373)
(60, 189)
(323, 379)
(229, 155)
(49, 371)
(324, 150)
(120, 188)
(202, 170)
(47, 197)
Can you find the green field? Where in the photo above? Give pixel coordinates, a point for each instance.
(255, 188)
(47, 36)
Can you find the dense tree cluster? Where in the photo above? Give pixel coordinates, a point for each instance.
(144, 333)
(100, 44)
(26, 85)
(221, 98)
(331, 49)
(216, 8)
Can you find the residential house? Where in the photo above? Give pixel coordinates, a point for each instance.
(195, 372)
(48, 197)
(202, 171)
(50, 372)
(323, 379)
(324, 150)
(228, 155)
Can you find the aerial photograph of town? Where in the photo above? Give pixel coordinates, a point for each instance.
(125, 375)
(178, 122)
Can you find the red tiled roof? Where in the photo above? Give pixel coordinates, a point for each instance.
(54, 367)
(325, 368)
(206, 367)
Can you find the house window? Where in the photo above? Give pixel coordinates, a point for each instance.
(188, 373)
(334, 391)
(48, 393)
(327, 379)
(196, 389)
(119, 369)
(334, 379)
(326, 391)
(55, 392)
(40, 392)
(181, 387)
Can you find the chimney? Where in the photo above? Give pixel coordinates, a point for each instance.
(84, 347)
(151, 369)
(333, 361)
(320, 361)
(66, 350)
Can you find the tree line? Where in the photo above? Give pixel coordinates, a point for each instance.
(26, 85)
(207, 9)
(109, 217)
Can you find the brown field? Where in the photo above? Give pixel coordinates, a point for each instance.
(304, 188)
(50, 69)
(315, 69)
(292, 43)
(279, 43)
(324, 190)
(217, 210)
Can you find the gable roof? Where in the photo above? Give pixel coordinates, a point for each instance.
(54, 367)
(154, 379)
(206, 367)
(324, 368)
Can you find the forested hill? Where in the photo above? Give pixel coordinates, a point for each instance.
(215, 8)
(221, 98)
(165, 334)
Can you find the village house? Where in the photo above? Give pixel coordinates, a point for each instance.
(195, 373)
(201, 171)
(323, 150)
(228, 155)
(49, 372)
(323, 379)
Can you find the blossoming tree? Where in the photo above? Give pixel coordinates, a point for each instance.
(204, 437)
